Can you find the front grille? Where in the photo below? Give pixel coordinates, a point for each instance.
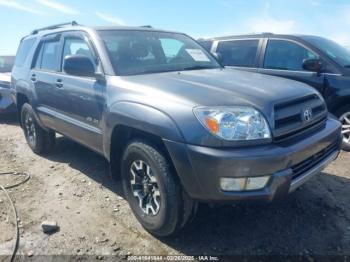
(312, 161)
(288, 116)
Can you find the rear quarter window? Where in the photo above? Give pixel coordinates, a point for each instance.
(23, 51)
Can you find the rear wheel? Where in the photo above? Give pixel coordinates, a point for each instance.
(38, 139)
(153, 191)
(344, 118)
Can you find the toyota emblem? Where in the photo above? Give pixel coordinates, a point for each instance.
(307, 114)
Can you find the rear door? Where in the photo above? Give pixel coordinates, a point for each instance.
(284, 58)
(43, 77)
(239, 53)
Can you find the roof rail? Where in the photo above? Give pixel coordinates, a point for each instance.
(146, 26)
(73, 23)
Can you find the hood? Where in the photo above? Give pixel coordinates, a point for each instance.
(5, 77)
(175, 94)
(220, 87)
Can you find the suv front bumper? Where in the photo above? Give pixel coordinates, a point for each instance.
(288, 165)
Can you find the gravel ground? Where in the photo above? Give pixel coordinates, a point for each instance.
(72, 187)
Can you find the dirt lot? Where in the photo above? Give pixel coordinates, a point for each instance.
(72, 187)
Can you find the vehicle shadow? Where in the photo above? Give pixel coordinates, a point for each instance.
(314, 220)
(86, 161)
(9, 119)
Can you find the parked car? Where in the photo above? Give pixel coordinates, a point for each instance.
(177, 127)
(314, 60)
(6, 102)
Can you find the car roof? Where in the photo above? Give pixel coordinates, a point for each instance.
(260, 35)
(132, 28)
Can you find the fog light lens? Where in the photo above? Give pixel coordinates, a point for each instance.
(254, 183)
(232, 184)
(243, 184)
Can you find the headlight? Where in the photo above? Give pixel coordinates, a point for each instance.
(234, 123)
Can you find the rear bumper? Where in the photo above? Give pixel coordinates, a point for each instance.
(6, 102)
(288, 165)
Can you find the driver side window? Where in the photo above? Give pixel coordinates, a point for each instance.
(286, 55)
(78, 46)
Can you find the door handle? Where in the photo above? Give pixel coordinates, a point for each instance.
(59, 83)
(33, 77)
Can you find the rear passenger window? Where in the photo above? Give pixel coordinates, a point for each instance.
(286, 55)
(238, 52)
(47, 58)
(23, 51)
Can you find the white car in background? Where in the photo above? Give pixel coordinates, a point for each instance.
(6, 102)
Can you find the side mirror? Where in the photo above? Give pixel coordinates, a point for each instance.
(79, 65)
(218, 57)
(313, 65)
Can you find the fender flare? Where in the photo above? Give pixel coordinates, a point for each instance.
(141, 117)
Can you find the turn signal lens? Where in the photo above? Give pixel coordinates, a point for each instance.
(212, 125)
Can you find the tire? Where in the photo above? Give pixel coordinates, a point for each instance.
(175, 207)
(344, 117)
(38, 139)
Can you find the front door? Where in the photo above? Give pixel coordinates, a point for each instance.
(84, 95)
(285, 58)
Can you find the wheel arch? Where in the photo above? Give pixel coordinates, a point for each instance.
(130, 121)
(340, 105)
(21, 99)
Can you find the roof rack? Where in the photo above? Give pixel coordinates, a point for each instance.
(146, 26)
(73, 23)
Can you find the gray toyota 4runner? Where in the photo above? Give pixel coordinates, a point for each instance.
(175, 126)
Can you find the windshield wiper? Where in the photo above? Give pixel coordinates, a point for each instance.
(198, 67)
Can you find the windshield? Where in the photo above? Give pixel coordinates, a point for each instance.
(142, 52)
(6, 63)
(334, 51)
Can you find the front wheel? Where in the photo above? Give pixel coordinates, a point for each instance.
(38, 139)
(153, 191)
(344, 118)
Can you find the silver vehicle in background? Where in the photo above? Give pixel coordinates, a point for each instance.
(6, 102)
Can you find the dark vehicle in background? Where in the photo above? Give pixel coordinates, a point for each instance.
(175, 126)
(6, 102)
(314, 60)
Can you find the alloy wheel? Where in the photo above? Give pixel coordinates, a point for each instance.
(144, 187)
(345, 130)
(29, 128)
